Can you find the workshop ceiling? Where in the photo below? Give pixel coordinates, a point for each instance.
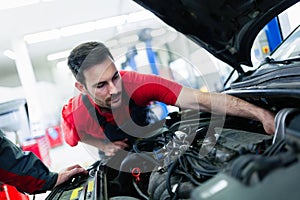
(56, 15)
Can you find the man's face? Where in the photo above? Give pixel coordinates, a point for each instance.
(103, 84)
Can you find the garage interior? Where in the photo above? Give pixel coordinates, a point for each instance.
(36, 38)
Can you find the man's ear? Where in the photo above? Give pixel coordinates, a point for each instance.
(80, 87)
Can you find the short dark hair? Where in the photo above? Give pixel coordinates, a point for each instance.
(85, 56)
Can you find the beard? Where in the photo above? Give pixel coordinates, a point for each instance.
(114, 101)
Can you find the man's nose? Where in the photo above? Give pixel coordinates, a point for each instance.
(112, 88)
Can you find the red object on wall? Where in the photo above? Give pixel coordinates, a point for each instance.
(8, 192)
(54, 136)
(40, 146)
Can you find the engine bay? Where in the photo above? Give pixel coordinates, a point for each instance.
(187, 154)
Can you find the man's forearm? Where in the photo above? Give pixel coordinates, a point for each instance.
(217, 103)
(230, 105)
(224, 104)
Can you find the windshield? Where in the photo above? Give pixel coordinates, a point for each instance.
(290, 48)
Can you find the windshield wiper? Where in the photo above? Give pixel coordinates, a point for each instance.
(285, 62)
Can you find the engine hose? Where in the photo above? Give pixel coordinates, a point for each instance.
(280, 123)
(156, 181)
(275, 148)
(139, 191)
(168, 179)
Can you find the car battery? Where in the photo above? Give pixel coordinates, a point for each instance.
(40, 146)
(103, 182)
(85, 187)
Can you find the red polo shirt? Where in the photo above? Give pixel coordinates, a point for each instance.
(141, 88)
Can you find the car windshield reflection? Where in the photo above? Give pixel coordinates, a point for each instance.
(289, 49)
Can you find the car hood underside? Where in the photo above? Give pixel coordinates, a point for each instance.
(225, 28)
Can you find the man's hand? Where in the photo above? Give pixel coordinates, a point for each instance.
(110, 149)
(268, 120)
(67, 173)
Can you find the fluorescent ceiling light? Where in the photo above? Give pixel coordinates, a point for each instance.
(129, 39)
(78, 29)
(87, 27)
(110, 22)
(158, 32)
(42, 36)
(10, 54)
(59, 55)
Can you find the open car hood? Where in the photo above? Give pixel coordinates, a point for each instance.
(225, 28)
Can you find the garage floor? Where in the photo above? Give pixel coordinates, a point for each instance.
(64, 156)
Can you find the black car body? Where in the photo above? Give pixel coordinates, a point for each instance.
(216, 157)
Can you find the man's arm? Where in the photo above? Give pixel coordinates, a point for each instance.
(225, 104)
(27, 172)
(23, 170)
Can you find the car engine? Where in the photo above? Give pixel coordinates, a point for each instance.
(182, 159)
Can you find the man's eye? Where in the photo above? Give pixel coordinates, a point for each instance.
(101, 85)
(116, 77)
